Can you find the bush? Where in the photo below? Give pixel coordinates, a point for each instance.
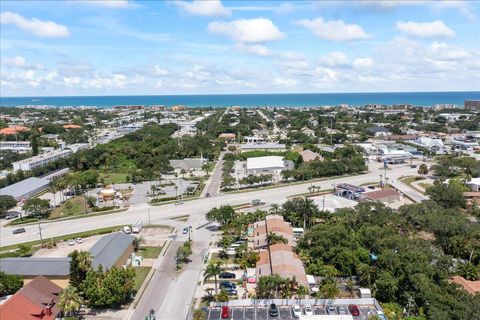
(102, 209)
(9, 284)
(163, 200)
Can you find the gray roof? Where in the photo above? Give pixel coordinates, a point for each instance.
(36, 266)
(188, 163)
(24, 187)
(376, 129)
(109, 248)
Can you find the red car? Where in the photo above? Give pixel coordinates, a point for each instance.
(225, 312)
(354, 310)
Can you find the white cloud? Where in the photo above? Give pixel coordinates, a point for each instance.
(204, 8)
(285, 82)
(39, 28)
(362, 63)
(17, 61)
(255, 49)
(442, 51)
(113, 4)
(335, 30)
(247, 30)
(70, 81)
(434, 29)
(159, 71)
(335, 59)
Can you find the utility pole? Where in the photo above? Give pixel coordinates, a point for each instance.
(40, 231)
(149, 222)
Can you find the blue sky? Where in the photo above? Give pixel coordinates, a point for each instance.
(207, 47)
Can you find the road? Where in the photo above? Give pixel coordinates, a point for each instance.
(212, 186)
(198, 207)
(180, 286)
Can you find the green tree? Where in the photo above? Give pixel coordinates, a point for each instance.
(34, 144)
(36, 206)
(9, 284)
(469, 271)
(199, 314)
(80, 264)
(423, 169)
(213, 270)
(69, 300)
(328, 288)
(274, 238)
(222, 215)
(447, 195)
(6, 203)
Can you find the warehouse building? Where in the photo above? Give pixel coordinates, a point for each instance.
(25, 188)
(268, 165)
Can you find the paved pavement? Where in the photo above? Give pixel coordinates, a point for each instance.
(198, 207)
(180, 286)
(213, 184)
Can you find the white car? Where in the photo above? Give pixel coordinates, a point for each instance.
(79, 240)
(297, 312)
(308, 311)
(71, 242)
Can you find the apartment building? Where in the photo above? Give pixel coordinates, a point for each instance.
(40, 160)
(16, 146)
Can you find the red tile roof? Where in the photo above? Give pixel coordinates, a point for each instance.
(471, 287)
(72, 126)
(32, 301)
(13, 130)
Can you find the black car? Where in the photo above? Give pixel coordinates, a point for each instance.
(19, 230)
(273, 310)
(227, 275)
(227, 285)
(207, 195)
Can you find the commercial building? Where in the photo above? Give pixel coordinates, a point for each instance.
(433, 145)
(280, 259)
(309, 155)
(272, 224)
(268, 165)
(25, 188)
(474, 184)
(262, 146)
(16, 146)
(188, 164)
(36, 300)
(40, 160)
(385, 196)
(112, 250)
(472, 105)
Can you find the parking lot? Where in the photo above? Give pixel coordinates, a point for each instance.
(285, 312)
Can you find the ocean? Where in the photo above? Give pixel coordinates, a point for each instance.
(252, 100)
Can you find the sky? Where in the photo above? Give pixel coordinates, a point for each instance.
(129, 47)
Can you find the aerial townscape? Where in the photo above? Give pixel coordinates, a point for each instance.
(210, 205)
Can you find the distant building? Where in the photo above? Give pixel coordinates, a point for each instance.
(36, 300)
(25, 188)
(474, 184)
(472, 287)
(16, 146)
(40, 160)
(188, 164)
(72, 126)
(378, 131)
(268, 165)
(385, 196)
(472, 105)
(227, 136)
(262, 146)
(433, 145)
(309, 155)
(13, 130)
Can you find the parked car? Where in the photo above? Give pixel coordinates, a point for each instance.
(69, 194)
(227, 275)
(331, 310)
(273, 310)
(178, 203)
(127, 230)
(19, 230)
(185, 230)
(342, 310)
(371, 187)
(12, 215)
(413, 166)
(225, 312)
(297, 312)
(79, 240)
(228, 285)
(308, 311)
(207, 195)
(381, 315)
(354, 310)
(231, 291)
(71, 242)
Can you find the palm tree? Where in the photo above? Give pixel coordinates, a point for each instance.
(84, 261)
(53, 189)
(69, 300)
(213, 270)
(273, 238)
(275, 208)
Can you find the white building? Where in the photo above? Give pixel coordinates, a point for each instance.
(433, 145)
(40, 160)
(16, 146)
(267, 165)
(474, 184)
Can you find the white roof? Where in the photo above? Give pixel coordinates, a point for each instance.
(475, 181)
(265, 162)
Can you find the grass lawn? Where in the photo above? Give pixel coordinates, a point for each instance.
(112, 178)
(72, 207)
(150, 252)
(140, 275)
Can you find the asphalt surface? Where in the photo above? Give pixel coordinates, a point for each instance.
(212, 186)
(198, 207)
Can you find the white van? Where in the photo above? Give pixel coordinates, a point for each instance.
(127, 230)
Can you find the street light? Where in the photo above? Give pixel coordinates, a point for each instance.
(189, 230)
(151, 315)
